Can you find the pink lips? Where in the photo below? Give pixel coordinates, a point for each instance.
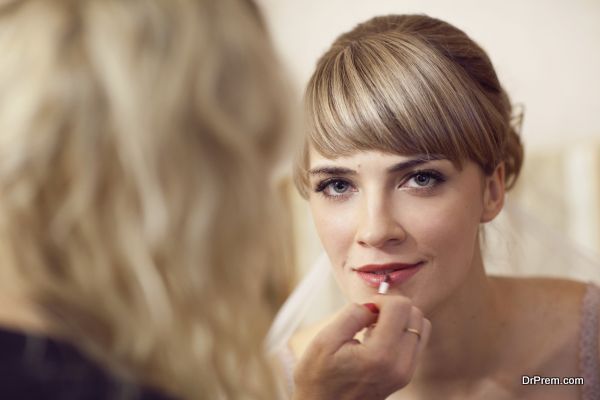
(374, 274)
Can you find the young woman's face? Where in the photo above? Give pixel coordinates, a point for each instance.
(412, 218)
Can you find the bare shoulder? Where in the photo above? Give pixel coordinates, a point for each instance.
(554, 294)
(302, 338)
(545, 304)
(544, 316)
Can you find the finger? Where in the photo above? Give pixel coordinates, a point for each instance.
(414, 327)
(393, 317)
(409, 345)
(425, 334)
(351, 319)
(367, 333)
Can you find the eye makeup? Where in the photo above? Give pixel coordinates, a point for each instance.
(421, 181)
(334, 188)
(322, 185)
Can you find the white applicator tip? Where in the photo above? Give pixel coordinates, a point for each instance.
(384, 285)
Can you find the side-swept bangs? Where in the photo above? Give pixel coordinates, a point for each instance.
(394, 93)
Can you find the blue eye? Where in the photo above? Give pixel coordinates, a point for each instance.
(424, 179)
(339, 186)
(333, 188)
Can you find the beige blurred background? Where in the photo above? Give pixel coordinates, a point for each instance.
(547, 55)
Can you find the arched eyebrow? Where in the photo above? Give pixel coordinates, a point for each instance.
(401, 166)
(331, 171)
(413, 162)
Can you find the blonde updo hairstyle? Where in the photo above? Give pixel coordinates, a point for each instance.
(409, 84)
(137, 141)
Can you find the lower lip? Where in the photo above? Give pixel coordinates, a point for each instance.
(395, 278)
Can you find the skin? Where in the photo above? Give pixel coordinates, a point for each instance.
(486, 331)
(386, 217)
(336, 366)
(17, 310)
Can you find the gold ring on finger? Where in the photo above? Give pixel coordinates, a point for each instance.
(411, 330)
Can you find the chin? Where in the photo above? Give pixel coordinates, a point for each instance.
(356, 291)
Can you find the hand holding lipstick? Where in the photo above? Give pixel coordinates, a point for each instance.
(338, 366)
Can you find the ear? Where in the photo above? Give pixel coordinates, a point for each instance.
(493, 194)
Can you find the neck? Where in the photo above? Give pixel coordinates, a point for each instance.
(462, 344)
(17, 308)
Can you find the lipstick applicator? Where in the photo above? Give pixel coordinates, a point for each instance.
(384, 285)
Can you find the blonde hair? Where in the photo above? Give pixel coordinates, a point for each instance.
(409, 84)
(137, 139)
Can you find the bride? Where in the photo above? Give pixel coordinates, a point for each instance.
(409, 152)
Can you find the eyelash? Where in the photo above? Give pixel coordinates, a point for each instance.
(435, 175)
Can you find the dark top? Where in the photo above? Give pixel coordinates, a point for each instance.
(38, 367)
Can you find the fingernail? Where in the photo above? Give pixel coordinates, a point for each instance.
(372, 307)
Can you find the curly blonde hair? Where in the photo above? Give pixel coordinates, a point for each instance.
(137, 144)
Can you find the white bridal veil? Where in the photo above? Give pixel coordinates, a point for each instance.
(515, 243)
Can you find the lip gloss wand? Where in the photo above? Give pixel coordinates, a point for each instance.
(384, 285)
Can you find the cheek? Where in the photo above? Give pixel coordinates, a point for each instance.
(335, 228)
(447, 228)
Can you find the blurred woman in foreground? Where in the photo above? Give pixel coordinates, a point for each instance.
(137, 143)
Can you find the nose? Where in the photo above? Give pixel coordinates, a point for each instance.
(378, 226)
